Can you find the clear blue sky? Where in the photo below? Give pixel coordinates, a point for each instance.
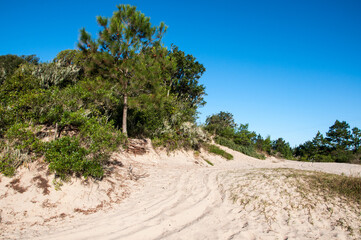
(288, 68)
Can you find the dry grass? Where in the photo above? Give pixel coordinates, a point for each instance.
(329, 185)
(292, 195)
(11, 158)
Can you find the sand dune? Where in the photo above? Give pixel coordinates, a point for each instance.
(180, 196)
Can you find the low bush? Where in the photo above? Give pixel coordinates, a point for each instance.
(101, 138)
(21, 146)
(188, 136)
(246, 150)
(86, 153)
(216, 150)
(66, 157)
(322, 158)
(83, 154)
(22, 137)
(7, 165)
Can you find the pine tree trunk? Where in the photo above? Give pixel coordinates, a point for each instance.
(170, 85)
(125, 110)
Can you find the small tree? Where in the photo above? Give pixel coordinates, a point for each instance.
(283, 147)
(267, 145)
(243, 136)
(339, 135)
(184, 81)
(222, 124)
(118, 51)
(306, 150)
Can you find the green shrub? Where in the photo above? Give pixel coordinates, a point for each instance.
(22, 98)
(21, 136)
(66, 156)
(6, 161)
(75, 119)
(89, 151)
(83, 155)
(4, 120)
(216, 150)
(101, 138)
(51, 114)
(6, 165)
(187, 135)
(322, 158)
(22, 146)
(342, 156)
(168, 141)
(246, 150)
(9, 63)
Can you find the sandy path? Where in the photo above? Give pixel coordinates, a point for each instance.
(183, 200)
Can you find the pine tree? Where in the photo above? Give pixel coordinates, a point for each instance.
(122, 51)
(267, 145)
(339, 135)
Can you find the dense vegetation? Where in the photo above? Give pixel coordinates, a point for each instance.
(76, 110)
(340, 144)
(237, 137)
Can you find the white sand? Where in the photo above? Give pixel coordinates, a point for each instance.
(179, 196)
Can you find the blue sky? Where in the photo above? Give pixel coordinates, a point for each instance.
(288, 68)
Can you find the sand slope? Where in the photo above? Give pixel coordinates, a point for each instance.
(180, 196)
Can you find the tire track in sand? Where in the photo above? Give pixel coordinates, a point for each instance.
(171, 201)
(180, 201)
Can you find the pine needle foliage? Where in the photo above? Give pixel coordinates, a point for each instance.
(120, 51)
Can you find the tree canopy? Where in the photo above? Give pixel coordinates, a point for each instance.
(9, 63)
(339, 135)
(340, 145)
(122, 50)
